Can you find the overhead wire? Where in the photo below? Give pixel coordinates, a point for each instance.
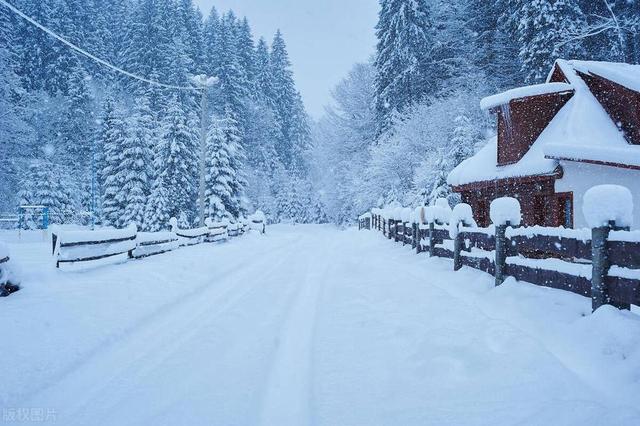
(89, 55)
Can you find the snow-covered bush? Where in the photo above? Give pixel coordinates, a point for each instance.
(440, 212)
(462, 214)
(419, 215)
(604, 203)
(505, 210)
(406, 215)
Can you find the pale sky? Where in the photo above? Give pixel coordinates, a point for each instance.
(324, 37)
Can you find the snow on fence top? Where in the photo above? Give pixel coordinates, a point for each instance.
(583, 234)
(462, 214)
(144, 238)
(523, 92)
(505, 210)
(69, 237)
(604, 203)
(365, 216)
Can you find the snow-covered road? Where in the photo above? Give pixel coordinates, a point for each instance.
(308, 325)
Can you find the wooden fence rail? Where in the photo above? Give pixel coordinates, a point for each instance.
(559, 258)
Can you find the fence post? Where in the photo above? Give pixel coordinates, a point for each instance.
(414, 235)
(432, 243)
(600, 267)
(457, 248)
(501, 253)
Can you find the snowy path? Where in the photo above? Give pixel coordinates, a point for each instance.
(309, 326)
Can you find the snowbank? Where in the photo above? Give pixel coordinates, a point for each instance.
(505, 210)
(605, 203)
(4, 251)
(523, 92)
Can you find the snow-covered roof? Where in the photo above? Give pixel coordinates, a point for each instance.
(523, 92)
(582, 131)
(624, 74)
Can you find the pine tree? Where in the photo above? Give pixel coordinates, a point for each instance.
(15, 134)
(113, 140)
(43, 184)
(405, 69)
(219, 174)
(544, 32)
(134, 165)
(263, 77)
(177, 171)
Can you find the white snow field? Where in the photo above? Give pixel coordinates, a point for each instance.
(307, 325)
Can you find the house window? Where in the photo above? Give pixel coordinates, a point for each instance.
(565, 209)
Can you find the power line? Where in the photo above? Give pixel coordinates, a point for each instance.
(89, 55)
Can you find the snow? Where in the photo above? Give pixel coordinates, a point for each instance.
(505, 210)
(462, 215)
(295, 328)
(628, 236)
(69, 235)
(144, 238)
(406, 215)
(582, 234)
(581, 130)
(575, 269)
(605, 203)
(624, 74)
(622, 272)
(623, 155)
(482, 166)
(523, 92)
(419, 215)
(4, 250)
(193, 233)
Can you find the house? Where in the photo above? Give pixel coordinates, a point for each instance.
(555, 141)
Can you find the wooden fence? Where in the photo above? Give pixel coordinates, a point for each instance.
(608, 270)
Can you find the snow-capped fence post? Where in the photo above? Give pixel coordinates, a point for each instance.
(432, 241)
(461, 216)
(7, 280)
(606, 208)
(505, 212)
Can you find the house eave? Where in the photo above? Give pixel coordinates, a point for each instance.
(596, 162)
(508, 181)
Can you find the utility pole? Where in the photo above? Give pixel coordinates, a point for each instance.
(203, 82)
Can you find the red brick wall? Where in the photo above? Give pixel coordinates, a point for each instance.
(537, 200)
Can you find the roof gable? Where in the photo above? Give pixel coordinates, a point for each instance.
(582, 129)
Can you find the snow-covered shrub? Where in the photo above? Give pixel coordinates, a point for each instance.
(462, 214)
(604, 203)
(505, 210)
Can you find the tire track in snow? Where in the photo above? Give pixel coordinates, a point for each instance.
(168, 326)
(288, 393)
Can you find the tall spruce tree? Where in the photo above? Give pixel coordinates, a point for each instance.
(406, 73)
(545, 32)
(113, 139)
